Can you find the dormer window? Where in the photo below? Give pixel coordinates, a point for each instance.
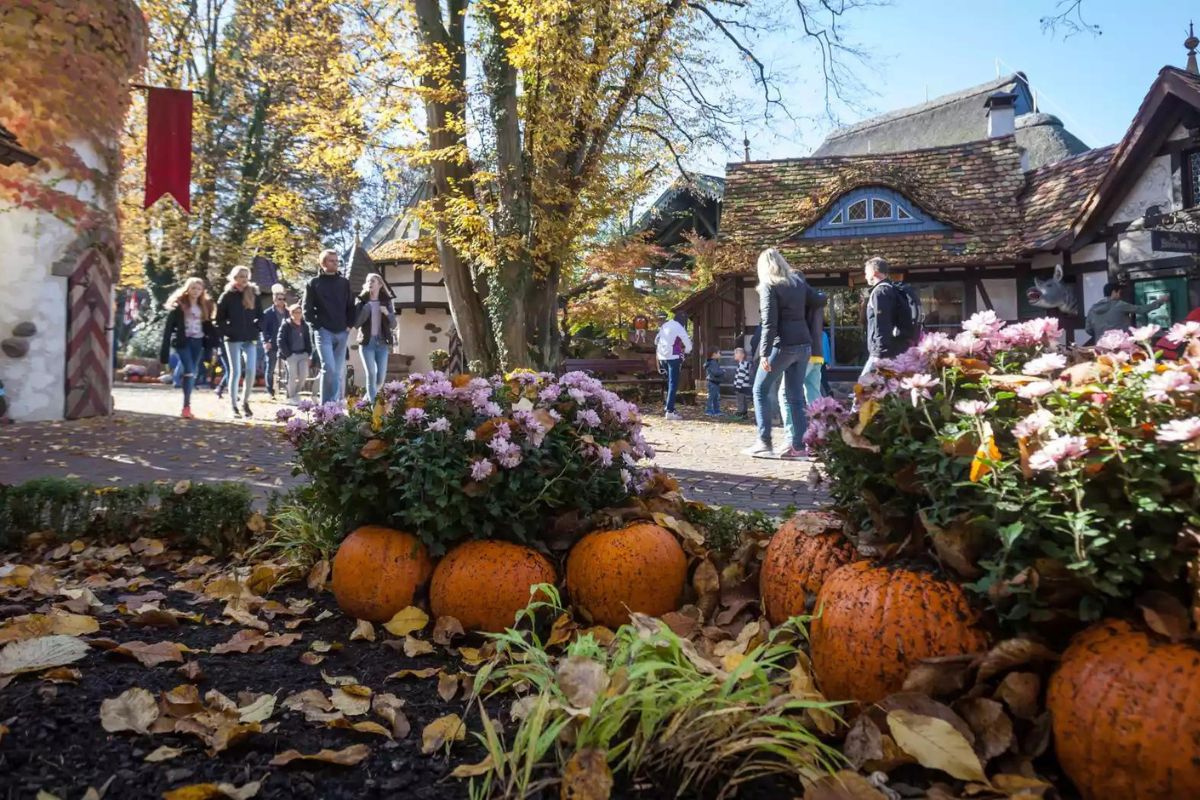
(871, 211)
(1191, 178)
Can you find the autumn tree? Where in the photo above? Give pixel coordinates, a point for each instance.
(541, 117)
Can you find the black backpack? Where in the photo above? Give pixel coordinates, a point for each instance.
(908, 312)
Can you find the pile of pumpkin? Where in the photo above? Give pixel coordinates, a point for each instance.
(1123, 702)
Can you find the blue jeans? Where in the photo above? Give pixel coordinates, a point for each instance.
(714, 398)
(673, 365)
(812, 384)
(868, 367)
(789, 365)
(375, 360)
(332, 347)
(189, 364)
(272, 360)
(235, 351)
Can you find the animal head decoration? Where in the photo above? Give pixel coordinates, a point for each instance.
(1052, 293)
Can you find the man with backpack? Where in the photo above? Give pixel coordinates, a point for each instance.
(893, 313)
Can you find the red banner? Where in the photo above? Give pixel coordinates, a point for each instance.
(169, 146)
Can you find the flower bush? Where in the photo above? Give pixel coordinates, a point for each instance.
(1062, 482)
(449, 458)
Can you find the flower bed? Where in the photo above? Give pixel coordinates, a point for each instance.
(451, 458)
(1061, 482)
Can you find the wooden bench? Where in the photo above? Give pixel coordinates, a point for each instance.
(607, 366)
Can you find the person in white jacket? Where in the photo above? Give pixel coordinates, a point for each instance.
(672, 343)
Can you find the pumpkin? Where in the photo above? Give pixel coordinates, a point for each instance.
(377, 572)
(1125, 706)
(876, 621)
(796, 563)
(483, 584)
(639, 568)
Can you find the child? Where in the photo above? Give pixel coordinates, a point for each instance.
(743, 380)
(189, 322)
(294, 345)
(714, 374)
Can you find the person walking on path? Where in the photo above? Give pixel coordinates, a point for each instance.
(375, 314)
(238, 318)
(189, 323)
(671, 344)
(784, 349)
(742, 382)
(1112, 313)
(714, 375)
(272, 318)
(329, 309)
(294, 345)
(890, 328)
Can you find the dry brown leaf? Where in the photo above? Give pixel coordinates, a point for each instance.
(346, 757)
(937, 677)
(1020, 692)
(56, 623)
(133, 710)
(706, 582)
(318, 575)
(424, 672)
(258, 711)
(863, 743)
(62, 675)
(843, 785)
(151, 655)
(993, 729)
(472, 770)
(1020, 786)
(41, 653)
(446, 629)
(249, 641)
(214, 791)
(313, 704)
(935, 744)
(448, 728)
(586, 776)
(352, 701)
(363, 630)
(447, 686)
(1164, 615)
(388, 706)
(365, 726)
(164, 753)
(414, 647)
(192, 671)
(926, 706)
(581, 680)
(1012, 653)
(243, 617)
(407, 620)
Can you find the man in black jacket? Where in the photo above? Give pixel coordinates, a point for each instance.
(272, 318)
(888, 319)
(329, 309)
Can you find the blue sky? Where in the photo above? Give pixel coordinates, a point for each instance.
(933, 47)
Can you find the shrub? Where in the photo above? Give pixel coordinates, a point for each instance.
(439, 359)
(1061, 481)
(212, 517)
(302, 531)
(725, 528)
(467, 457)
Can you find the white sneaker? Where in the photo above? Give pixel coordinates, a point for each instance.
(671, 415)
(759, 449)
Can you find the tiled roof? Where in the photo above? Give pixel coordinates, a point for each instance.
(392, 250)
(708, 187)
(1054, 195)
(971, 187)
(358, 267)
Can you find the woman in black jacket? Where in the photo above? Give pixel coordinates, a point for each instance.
(375, 315)
(189, 323)
(238, 316)
(785, 300)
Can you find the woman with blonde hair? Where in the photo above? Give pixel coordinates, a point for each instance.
(238, 318)
(375, 314)
(189, 323)
(786, 305)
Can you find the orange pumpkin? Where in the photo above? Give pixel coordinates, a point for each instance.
(876, 621)
(1125, 706)
(795, 565)
(483, 584)
(377, 572)
(640, 568)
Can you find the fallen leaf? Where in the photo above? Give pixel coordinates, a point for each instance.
(937, 677)
(351, 700)
(365, 726)
(706, 582)
(313, 704)
(388, 706)
(318, 575)
(1020, 691)
(164, 753)
(44, 652)
(446, 629)
(863, 743)
(250, 641)
(586, 776)
(347, 757)
(1163, 613)
(424, 672)
(214, 791)
(993, 729)
(472, 770)
(447, 686)
(441, 731)
(1012, 653)
(258, 711)
(1020, 786)
(62, 675)
(406, 621)
(363, 630)
(843, 785)
(935, 744)
(414, 647)
(192, 671)
(151, 655)
(133, 710)
(56, 623)
(582, 680)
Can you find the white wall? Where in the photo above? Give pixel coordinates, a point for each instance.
(1003, 294)
(1097, 251)
(1153, 188)
(415, 338)
(1043, 261)
(32, 241)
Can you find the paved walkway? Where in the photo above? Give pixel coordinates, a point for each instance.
(145, 440)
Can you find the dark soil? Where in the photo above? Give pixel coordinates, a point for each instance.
(56, 743)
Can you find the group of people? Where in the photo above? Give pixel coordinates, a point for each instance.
(315, 331)
(792, 315)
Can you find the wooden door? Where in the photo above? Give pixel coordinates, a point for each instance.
(89, 337)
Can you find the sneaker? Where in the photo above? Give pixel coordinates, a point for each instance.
(237, 413)
(760, 449)
(187, 413)
(246, 410)
(671, 415)
(792, 454)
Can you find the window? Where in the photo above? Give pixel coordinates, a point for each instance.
(837, 219)
(880, 209)
(873, 211)
(1191, 178)
(902, 214)
(857, 211)
(941, 305)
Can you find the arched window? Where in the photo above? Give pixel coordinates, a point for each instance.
(872, 211)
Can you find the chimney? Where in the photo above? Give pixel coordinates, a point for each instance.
(1190, 43)
(1001, 114)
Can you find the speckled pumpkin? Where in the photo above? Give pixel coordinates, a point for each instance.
(377, 571)
(795, 566)
(640, 568)
(483, 584)
(1125, 705)
(876, 621)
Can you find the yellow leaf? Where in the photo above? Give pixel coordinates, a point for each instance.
(414, 647)
(449, 728)
(587, 776)
(866, 412)
(935, 744)
(987, 452)
(346, 757)
(406, 621)
(472, 770)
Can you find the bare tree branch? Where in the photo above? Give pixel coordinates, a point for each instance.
(1068, 18)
